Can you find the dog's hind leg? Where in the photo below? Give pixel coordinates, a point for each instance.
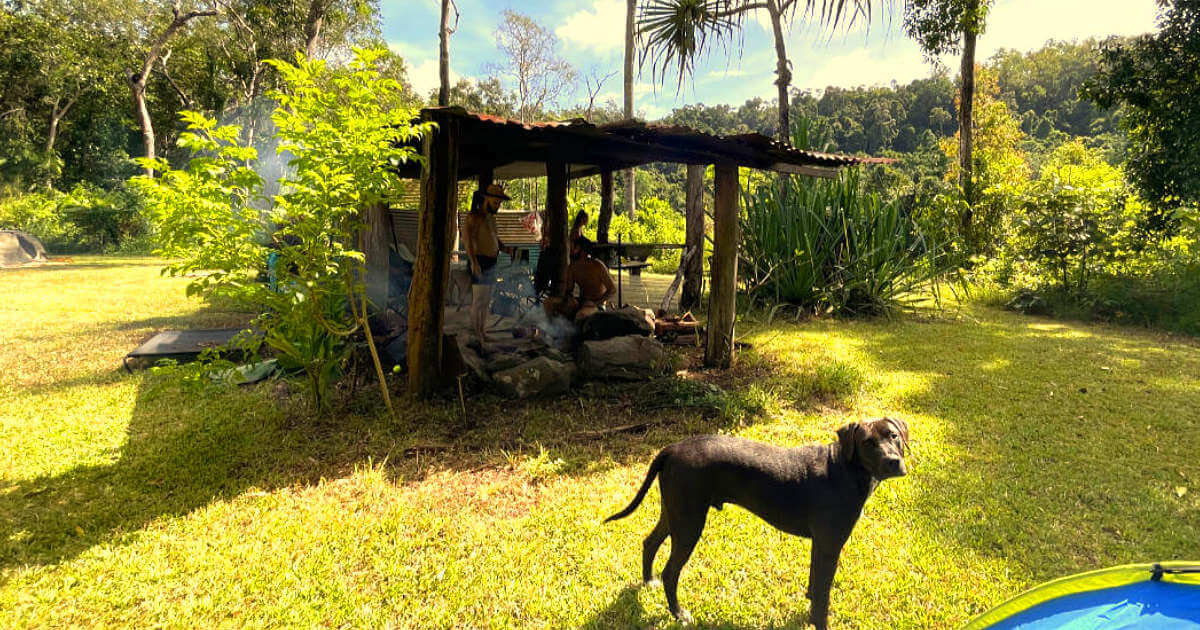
(650, 547)
(685, 533)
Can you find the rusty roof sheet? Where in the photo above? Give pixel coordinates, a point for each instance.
(754, 150)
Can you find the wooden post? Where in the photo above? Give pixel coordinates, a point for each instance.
(556, 220)
(722, 300)
(431, 271)
(694, 216)
(376, 237)
(606, 206)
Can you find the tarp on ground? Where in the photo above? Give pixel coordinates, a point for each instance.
(19, 248)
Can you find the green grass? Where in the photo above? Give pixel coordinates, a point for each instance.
(1040, 448)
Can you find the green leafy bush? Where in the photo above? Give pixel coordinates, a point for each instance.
(1078, 218)
(827, 246)
(1079, 247)
(340, 130)
(85, 219)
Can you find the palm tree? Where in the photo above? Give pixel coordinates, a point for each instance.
(677, 31)
(630, 11)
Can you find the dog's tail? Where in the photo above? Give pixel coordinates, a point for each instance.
(655, 466)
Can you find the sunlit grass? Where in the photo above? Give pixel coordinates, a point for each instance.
(1040, 448)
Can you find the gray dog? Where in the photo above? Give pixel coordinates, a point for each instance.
(813, 491)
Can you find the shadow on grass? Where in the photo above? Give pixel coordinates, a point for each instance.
(626, 611)
(1062, 443)
(185, 449)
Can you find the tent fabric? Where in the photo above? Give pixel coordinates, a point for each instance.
(1124, 597)
(1158, 605)
(19, 248)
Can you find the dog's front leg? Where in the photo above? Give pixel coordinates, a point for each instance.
(820, 580)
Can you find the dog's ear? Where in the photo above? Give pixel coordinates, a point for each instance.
(848, 440)
(902, 429)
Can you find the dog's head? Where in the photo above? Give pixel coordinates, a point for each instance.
(877, 445)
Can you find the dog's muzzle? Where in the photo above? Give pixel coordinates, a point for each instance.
(894, 467)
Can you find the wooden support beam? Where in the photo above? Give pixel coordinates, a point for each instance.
(557, 221)
(606, 206)
(722, 301)
(431, 271)
(693, 269)
(376, 237)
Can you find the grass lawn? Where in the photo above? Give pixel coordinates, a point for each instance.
(1040, 448)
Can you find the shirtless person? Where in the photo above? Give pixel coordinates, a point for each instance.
(595, 286)
(483, 247)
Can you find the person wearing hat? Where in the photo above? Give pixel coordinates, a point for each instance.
(483, 247)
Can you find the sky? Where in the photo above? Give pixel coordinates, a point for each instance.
(591, 37)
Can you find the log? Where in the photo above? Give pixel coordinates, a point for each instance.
(722, 301)
(431, 271)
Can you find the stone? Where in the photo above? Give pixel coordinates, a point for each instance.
(536, 377)
(467, 358)
(628, 358)
(504, 361)
(630, 320)
(397, 349)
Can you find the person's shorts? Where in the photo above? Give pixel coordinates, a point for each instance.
(487, 271)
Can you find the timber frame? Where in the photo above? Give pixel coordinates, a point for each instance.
(487, 148)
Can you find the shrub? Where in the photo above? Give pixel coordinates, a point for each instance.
(85, 219)
(827, 246)
(341, 129)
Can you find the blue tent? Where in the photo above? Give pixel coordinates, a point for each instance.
(1162, 596)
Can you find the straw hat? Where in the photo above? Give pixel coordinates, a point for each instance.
(497, 191)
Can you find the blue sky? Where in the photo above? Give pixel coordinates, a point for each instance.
(591, 35)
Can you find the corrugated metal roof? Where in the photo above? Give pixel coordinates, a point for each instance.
(658, 142)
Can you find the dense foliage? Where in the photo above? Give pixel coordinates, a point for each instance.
(335, 127)
(829, 247)
(1156, 77)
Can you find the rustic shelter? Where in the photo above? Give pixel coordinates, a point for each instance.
(487, 148)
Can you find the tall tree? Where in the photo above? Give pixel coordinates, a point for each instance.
(677, 31)
(138, 80)
(444, 33)
(531, 64)
(630, 32)
(1155, 78)
(943, 27)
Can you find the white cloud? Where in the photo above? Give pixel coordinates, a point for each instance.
(602, 27)
(424, 76)
(860, 67)
(1027, 24)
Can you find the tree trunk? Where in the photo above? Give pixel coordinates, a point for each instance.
(312, 26)
(444, 56)
(783, 74)
(137, 81)
(966, 104)
(56, 115)
(630, 187)
(139, 102)
(694, 241)
(431, 270)
(606, 206)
